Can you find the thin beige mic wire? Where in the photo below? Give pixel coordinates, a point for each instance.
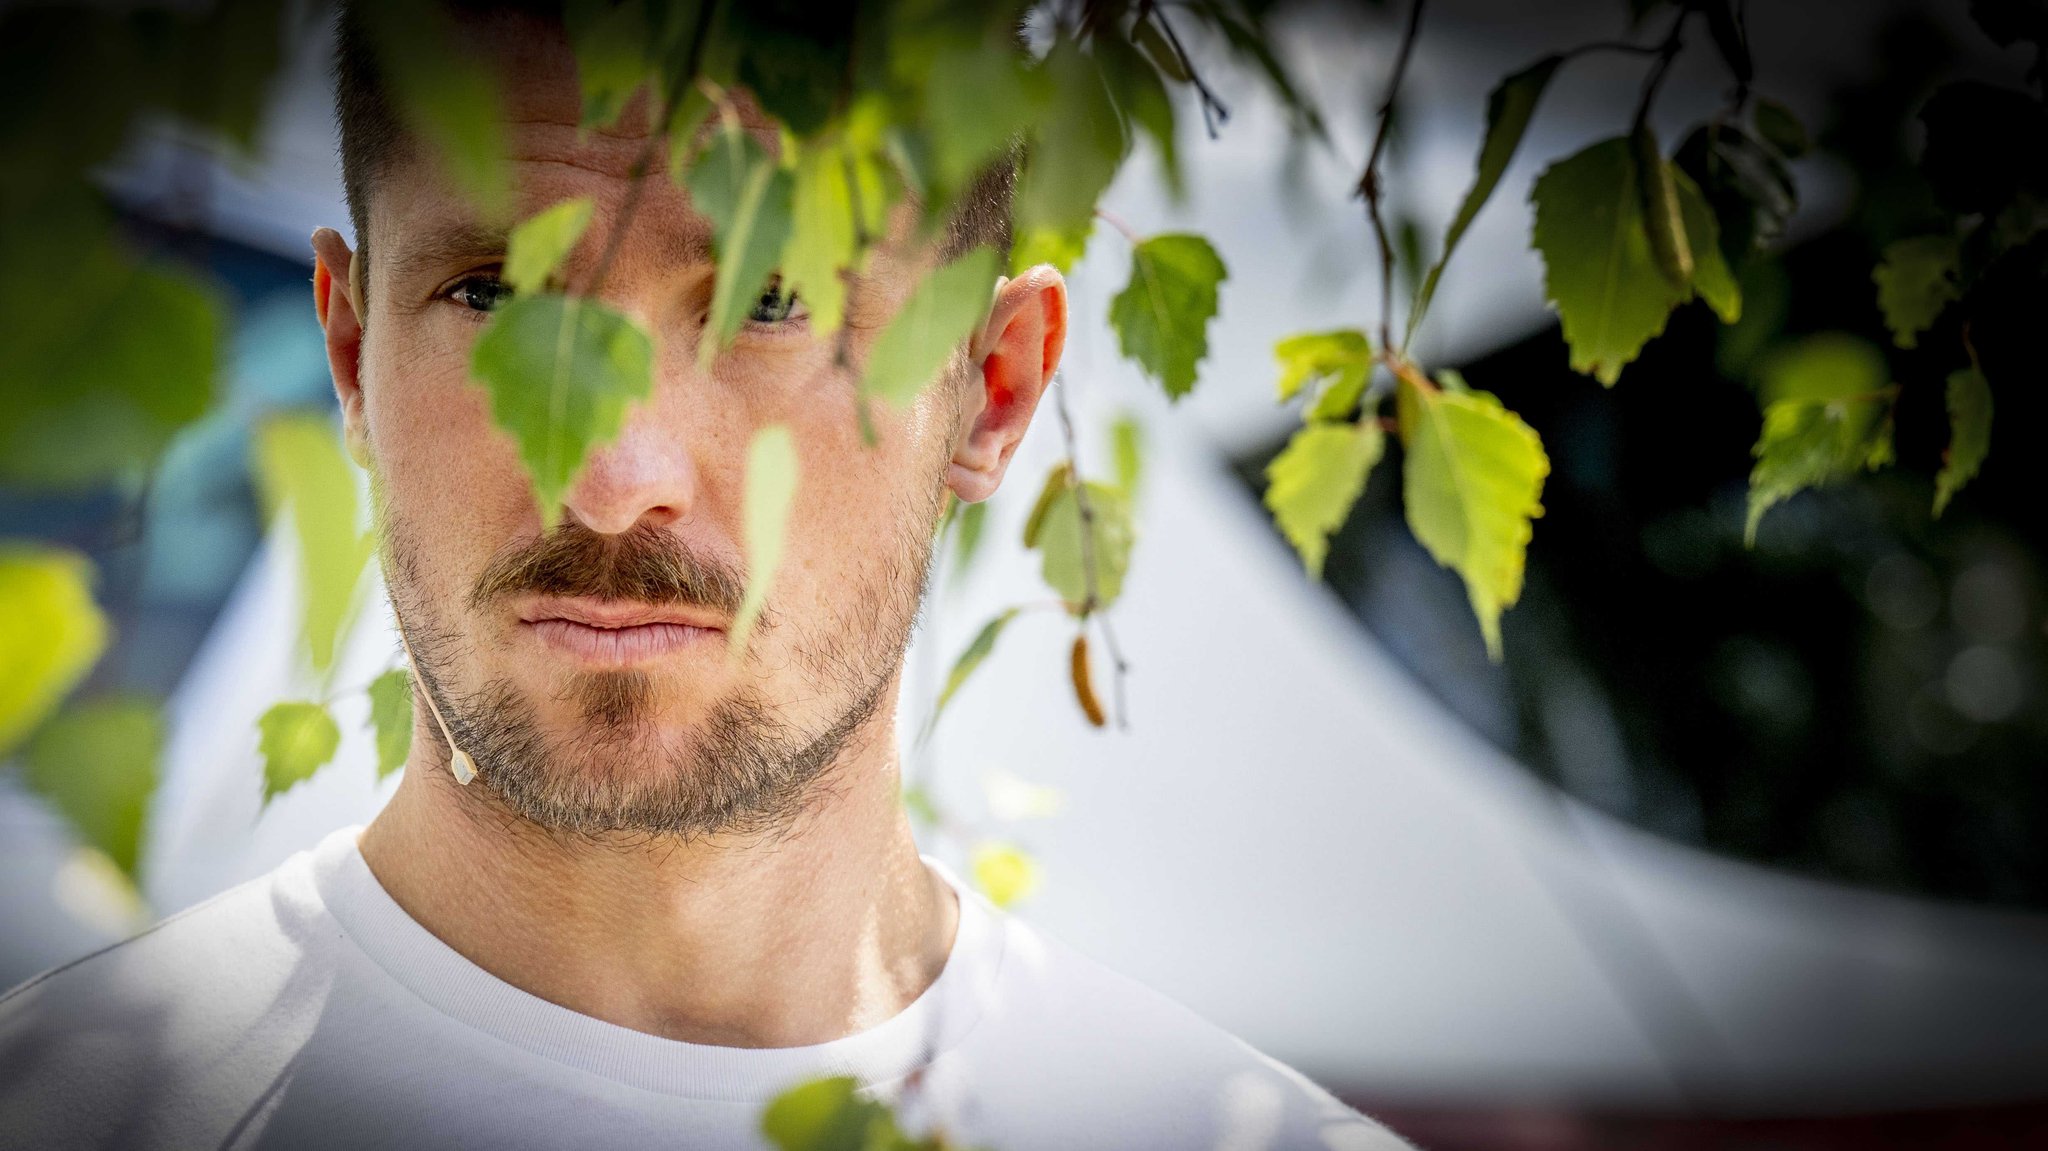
(460, 765)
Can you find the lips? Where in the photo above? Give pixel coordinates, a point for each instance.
(618, 633)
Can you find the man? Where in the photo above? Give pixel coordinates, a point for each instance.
(675, 887)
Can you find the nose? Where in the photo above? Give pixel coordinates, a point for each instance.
(647, 474)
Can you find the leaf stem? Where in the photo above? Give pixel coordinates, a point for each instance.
(1654, 80)
(1369, 183)
(1087, 513)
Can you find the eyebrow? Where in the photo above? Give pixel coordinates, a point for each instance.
(447, 247)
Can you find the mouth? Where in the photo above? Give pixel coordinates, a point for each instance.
(614, 633)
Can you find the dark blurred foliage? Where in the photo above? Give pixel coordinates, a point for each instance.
(1862, 696)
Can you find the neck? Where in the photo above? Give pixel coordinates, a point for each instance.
(823, 929)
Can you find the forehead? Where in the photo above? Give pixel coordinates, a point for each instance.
(552, 155)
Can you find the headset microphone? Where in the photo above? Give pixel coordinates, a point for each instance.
(459, 763)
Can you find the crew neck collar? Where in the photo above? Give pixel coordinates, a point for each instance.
(452, 984)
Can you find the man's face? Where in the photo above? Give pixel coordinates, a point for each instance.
(566, 661)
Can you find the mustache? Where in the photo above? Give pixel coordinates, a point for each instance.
(643, 563)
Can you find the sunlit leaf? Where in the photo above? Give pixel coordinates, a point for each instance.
(976, 100)
(540, 243)
(97, 762)
(1162, 316)
(611, 41)
(829, 1115)
(54, 634)
(1969, 418)
(1127, 445)
(1079, 145)
(296, 739)
(1004, 872)
(102, 360)
(822, 235)
(1066, 563)
(1599, 271)
(746, 195)
(1509, 108)
(942, 312)
(305, 473)
(1313, 482)
(772, 481)
(1814, 442)
(969, 520)
(1060, 247)
(1473, 477)
(1712, 279)
(1340, 362)
(1916, 280)
(391, 718)
(560, 372)
(1663, 220)
(1057, 480)
(1824, 366)
(977, 652)
(448, 96)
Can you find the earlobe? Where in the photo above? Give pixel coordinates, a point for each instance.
(1016, 351)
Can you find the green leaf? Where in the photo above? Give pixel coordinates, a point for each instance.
(391, 718)
(969, 660)
(1474, 476)
(1162, 316)
(102, 360)
(1004, 872)
(1080, 144)
(1813, 442)
(746, 195)
(1825, 366)
(1064, 562)
(918, 801)
(772, 480)
(54, 634)
(1141, 96)
(968, 522)
(539, 244)
(945, 309)
(1126, 440)
(560, 372)
(975, 101)
(1969, 419)
(1599, 272)
(1060, 247)
(97, 762)
(822, 237)
(447, 96)
(300, 463)
(829, 1115)
(1160, 51)
(1916, 280)
(1781, 129)
(611, 42)
(1712, 279)
(1509, 108)
(1341, 361)
(1058, 480)
(1313, 482)
(297, 739)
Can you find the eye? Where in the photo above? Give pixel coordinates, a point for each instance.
(480, 293)
(776, 306)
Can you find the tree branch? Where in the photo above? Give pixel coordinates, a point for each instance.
(1369, 183)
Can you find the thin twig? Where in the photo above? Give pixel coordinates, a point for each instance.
(1666, 52)
(1214, 112)
(1369, 183)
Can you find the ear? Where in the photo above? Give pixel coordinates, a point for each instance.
(337, 299)
(1017, 350)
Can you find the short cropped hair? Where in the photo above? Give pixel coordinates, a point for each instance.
(372, 134)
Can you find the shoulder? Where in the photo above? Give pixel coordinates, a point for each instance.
(130, 1020)
(1112, 1055)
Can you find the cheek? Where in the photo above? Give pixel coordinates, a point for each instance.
(446, 471)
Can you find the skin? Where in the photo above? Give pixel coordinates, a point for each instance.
(797, 929)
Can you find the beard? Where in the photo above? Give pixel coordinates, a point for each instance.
(745, 768)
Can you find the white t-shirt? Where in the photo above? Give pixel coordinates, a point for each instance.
(306, 1009)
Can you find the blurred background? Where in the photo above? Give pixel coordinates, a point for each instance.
(1736, 848)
